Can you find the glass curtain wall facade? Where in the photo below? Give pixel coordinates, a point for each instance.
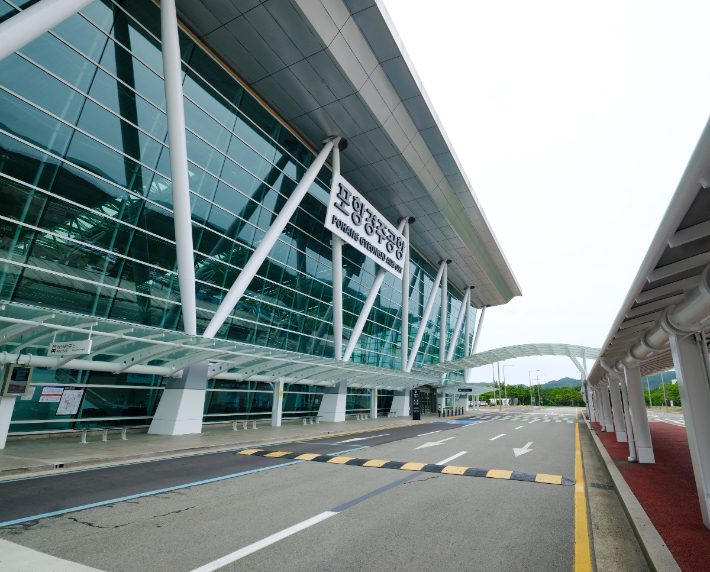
(87, 223)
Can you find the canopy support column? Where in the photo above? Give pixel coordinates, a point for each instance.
(425, 316)
(405, 298)
(373, 403)
(627, 419)
(617, 410)
(277, 403)
(478, 330)
(642, 432)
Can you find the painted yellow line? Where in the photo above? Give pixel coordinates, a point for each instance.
(582, 553)
(249, 451)
(374, 463)
(497, 474)
(549, 479)
(412, 466)
(340, 460)
(453, 470)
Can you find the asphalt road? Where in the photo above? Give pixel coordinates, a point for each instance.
(370, 518)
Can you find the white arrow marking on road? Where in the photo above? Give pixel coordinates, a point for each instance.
(362, 438)
(433, 443)
(522, 451)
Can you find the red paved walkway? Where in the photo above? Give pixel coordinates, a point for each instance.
(666, 491)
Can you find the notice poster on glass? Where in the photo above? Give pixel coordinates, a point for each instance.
(70, 401)
(51, 394)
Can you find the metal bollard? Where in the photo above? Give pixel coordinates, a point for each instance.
(439, 411)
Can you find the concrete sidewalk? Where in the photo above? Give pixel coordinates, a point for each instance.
(29, 456)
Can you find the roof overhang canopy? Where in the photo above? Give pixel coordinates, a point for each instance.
(26, 333)
(338, 67)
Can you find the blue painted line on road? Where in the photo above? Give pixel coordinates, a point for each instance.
(374, 493)
(139, 495)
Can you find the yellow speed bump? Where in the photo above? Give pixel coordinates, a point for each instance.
(340, 460)
(549, 479)
(374, 463)
(453, 470)
(497, 474)
(276, 454)
(249, 451)
(307, 456)
(412, 466)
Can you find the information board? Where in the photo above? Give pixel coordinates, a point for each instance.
(16, 380)
(51, 394)
(71, 401)
(351, 217)
(416, 404)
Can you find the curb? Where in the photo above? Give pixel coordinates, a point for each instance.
(118, 459)
(657, 555)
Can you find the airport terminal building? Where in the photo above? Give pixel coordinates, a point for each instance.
(223, 210)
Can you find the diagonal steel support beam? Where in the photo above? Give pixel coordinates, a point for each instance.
(457, 327)
(425, 316)
(22, 28)
(18, 330)
(369, 302)
(94, 346)
(267, 243)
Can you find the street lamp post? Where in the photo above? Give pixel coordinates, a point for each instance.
(648, 386)
(539, 399)
(530, 383)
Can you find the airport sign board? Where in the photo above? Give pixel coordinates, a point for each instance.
(352, 218)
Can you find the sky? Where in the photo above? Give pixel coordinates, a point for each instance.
(574, 122)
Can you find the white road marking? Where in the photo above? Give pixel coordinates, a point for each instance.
(519, 427)
(494, 438)
(522, 451)
(264, 542)
(22, 559)
(362, 438)
(433, 443)
(451, 458)
(430, 433)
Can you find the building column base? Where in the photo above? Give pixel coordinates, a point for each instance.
(332, 408)
(7, 405)
(645, 455)
(621, 437)
(400, 403)
(182, 404)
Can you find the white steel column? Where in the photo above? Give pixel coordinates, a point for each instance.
(182, 212)
(332, 408)
(592, 413)
(467, 335)
(443, 315)
(373, 403)
(181, 405)
(642, 432)
(7, 404)
(277, 403)
(267, 243)
(400, 402)
(457, 327)
(617, 409)
(337, 260)
(478, 331)
(606, 404)
(627, 418)
(369, 302)
(425, 316)
(405, 299)
(22, 28)
(691, 366)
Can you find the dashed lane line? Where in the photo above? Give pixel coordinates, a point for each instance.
(456, 456)
(519, 427)
(497, 437)
(336, 459)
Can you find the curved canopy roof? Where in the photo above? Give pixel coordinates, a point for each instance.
(513, 352)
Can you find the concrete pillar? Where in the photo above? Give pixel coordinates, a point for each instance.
(332, 408)
(373, 403)
(627, 418)
(277, 404)
(691, 366)
(617, 410)
(606, 406)
(182, 403)
(400, 403)
(7, 405)
(642, 432)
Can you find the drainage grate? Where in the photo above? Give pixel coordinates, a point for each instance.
(599, 486)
